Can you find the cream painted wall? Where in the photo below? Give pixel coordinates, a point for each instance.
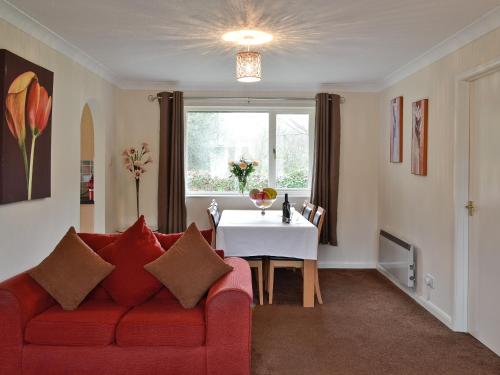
(137, 121)
(420, 209)
(30, 230)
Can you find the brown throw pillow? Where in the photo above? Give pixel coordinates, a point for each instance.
(71, 271)
(189, 267)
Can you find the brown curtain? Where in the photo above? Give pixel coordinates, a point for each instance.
(171, 189)
(325, 186)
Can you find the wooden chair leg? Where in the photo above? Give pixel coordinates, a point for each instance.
(316, 287)
(271, 281)
(265, 266)
(260, 280)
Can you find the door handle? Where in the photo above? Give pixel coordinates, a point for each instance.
(470, 207)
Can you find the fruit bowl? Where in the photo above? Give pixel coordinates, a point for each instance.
(263, 204)
(263, 199)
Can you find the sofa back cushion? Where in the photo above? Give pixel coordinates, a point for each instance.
(130, 284)
(167, 240)
(97, 241)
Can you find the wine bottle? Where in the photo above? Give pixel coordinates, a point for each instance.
(287, 214)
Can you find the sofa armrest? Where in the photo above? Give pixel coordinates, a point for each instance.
(228, 314)
(21, 298)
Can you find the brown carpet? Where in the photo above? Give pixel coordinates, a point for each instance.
(366, 326)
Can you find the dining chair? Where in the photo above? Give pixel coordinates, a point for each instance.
(308, 210)
(317, 218)
(256, 263)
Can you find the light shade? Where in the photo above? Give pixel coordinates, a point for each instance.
(248, 66)
(247, 37)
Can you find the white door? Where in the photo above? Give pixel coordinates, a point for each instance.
(484, 225)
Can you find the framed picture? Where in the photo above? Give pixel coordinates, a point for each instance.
(420, 111)
(397, 130)
(25, 129)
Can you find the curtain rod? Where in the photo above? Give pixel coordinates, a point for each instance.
(152, 98)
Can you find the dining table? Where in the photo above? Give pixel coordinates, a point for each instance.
(249, 233)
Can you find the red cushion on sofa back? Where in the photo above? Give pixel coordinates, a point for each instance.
(130, 284)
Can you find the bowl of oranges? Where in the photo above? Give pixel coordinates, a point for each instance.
(263, 199)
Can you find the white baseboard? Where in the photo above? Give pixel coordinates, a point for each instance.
(353, 265)
(428, 305)
(436, 311)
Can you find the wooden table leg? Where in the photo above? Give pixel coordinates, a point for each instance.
(309, 272)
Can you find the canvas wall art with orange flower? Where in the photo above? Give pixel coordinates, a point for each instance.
(25, 132)
(420, 126)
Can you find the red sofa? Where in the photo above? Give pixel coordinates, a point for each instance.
(101, 337)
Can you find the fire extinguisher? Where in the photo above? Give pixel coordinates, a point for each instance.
(90, 187)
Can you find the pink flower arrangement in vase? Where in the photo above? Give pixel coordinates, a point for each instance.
(135, 160)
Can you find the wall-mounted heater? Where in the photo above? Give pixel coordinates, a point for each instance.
(396, 258)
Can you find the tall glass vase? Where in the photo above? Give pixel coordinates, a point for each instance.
(242, 184)
(137, 181)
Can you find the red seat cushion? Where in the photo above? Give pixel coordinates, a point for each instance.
(92, 324)
(130, 284)
(162, 322)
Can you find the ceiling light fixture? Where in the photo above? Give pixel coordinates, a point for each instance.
(248, 63)
(248, 66)
(247, 37)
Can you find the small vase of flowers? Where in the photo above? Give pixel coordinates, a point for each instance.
(242, 169)
(135, 160)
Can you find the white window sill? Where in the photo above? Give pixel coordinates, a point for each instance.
(208, 194)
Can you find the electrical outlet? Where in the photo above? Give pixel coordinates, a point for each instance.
(429, 281)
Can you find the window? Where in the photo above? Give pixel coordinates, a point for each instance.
(279, 139)
(292, 151)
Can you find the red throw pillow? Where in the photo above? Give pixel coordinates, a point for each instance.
(130, 284)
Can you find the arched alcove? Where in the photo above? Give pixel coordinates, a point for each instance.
(87, 155)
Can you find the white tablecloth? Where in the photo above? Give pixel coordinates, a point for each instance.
(248, 233)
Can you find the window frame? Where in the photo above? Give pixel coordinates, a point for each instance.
(273, 111)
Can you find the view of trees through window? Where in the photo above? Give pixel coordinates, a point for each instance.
(215, 138)
(292, 151)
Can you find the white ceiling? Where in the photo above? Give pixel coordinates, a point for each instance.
(317, 42)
